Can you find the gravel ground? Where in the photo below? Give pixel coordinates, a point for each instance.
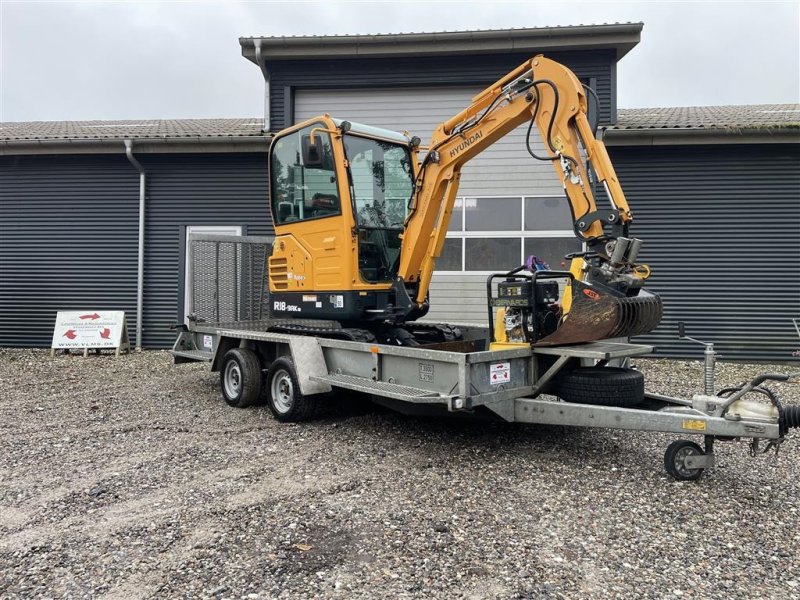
(130, 478)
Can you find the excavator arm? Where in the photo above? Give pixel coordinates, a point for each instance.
(550, 96)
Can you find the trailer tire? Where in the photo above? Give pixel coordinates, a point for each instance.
(283, 393)
(240, 378)
(601, 386)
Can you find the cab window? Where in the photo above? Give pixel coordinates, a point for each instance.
(382, 181)
(303, 178)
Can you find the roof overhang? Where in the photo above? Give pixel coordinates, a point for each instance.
(697, 136)
(189, 145)
(620, 37)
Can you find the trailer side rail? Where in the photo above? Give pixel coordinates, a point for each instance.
(669, 420)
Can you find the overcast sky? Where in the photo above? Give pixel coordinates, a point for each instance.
(132, 60)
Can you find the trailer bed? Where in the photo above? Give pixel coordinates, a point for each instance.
(514, 385)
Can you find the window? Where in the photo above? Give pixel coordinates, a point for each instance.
(450, 260)
(382, 181)
(457, 217)
(492, 214)
(495, 234)
(552, 250)
(301, 192)
(548, 213)
(492, 254)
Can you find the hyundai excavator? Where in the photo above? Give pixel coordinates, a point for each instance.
(361, 215)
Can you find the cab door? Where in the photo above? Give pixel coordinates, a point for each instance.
(312, 244)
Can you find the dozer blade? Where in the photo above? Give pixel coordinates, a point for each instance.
(598, 314)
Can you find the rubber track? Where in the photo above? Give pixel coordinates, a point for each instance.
(448, 333)
(332, 333)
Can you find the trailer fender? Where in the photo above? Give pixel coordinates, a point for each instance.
(308, 362)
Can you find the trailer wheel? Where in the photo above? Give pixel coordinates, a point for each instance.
(283, 393)
(240, 377)
(601, 386)
(675, 460)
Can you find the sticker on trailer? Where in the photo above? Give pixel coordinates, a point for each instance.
(426, 372)
(693, 425)
(208, 342)
(499, 373)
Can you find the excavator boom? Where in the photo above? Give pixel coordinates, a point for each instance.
(552, 98)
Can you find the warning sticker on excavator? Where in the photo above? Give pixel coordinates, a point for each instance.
(499, 373)
(694, 425)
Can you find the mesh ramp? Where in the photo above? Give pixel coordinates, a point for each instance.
(228, 278)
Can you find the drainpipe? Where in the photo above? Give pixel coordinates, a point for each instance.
(140, 261)
(262, 64)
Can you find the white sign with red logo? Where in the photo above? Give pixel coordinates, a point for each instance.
(499, 373)
(90, 329)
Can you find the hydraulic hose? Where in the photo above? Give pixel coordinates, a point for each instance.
(549, 139)
(596, 108)
(789, 418)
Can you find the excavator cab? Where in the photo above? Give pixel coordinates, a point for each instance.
(340, 195)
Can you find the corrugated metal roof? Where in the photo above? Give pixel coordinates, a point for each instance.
(733, 117)
(445, 32)
(150, 129)
(753, 116)
(620, 37)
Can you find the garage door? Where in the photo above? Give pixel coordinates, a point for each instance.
(505, 169)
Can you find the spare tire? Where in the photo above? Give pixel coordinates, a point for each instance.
(601, 386)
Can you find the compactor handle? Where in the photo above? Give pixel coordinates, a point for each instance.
(769, 377)
(587, 254)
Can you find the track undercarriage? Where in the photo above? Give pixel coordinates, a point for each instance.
(408, 334)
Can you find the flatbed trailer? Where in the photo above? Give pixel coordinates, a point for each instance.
(511, 385)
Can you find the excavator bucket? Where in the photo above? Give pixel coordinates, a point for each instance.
(597, 314)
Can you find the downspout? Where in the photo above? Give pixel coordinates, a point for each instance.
(262, 64)
(140, 260)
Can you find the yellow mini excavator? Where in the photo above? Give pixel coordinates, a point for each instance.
(361, 214)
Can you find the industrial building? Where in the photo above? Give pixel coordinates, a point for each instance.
(715, 191)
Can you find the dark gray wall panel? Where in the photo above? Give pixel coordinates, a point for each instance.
(480, 71)
(67, 241)
(68, 233)
(193, 189)
(721, 230)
